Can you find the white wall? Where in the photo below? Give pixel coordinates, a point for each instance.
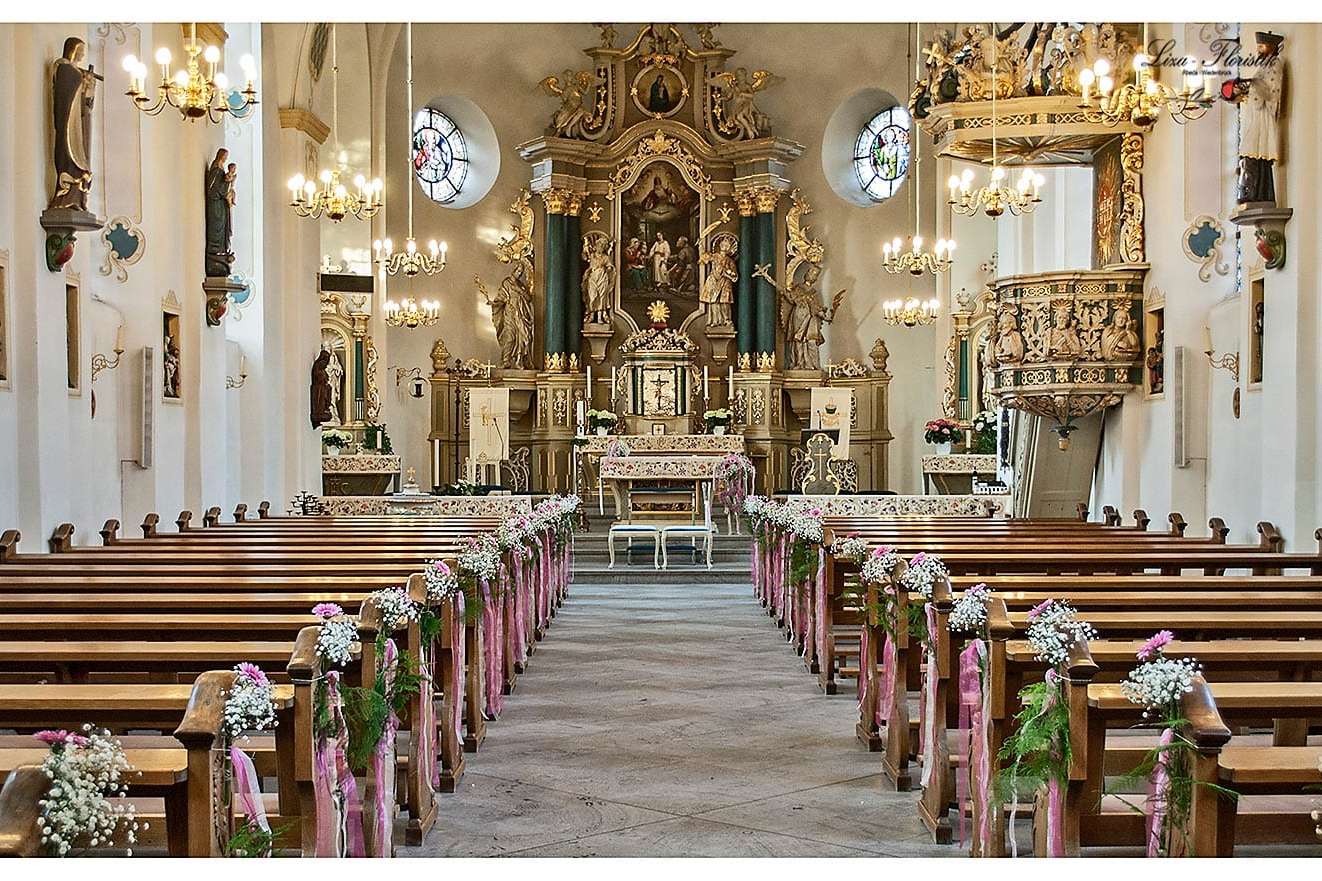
(217, 447)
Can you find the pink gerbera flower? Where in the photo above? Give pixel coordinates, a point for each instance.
(1153, 646)
(918, 558)
(253, 673)
(326, 611)
(441, 567)
(51, 738)
(1039, 609)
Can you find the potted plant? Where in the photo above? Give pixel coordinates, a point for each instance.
(942, 433)
(984, 432)
(717, 420)
(334, 441)
(602, 421)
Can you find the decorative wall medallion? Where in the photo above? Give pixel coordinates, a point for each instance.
(1202, 242)
(124, 244)
(659, 90)
(239, 300)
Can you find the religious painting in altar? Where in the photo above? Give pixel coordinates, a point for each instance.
(660, 217)
(659, 90)
(1108, 203)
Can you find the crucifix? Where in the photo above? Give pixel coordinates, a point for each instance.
(819, 480)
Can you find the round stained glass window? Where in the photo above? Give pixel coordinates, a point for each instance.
(440, 156)
(881, 153)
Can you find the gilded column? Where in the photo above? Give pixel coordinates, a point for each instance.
(765, 320)
(556, 201)
(745, 307)
(574, 276)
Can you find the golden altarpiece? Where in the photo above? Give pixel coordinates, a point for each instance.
(1059, 347)
(661, 264)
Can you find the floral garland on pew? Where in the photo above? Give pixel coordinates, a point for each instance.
(85, 771)
(1159, 684)
(920, 577)
(969, 616)
(249, 706)
(1038, 752)
(734, 480)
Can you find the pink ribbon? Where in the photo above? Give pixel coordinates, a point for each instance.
(520, 608)
(494, 650)
(338, 804)
(383, 765)
(819, 591)
(864, 669)
(1159, 785)
(247, 789)
(974, 712)
(458, 663)
(887, 697)
(927, 711)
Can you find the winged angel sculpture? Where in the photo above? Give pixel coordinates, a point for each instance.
(736, 93)
(571, 87)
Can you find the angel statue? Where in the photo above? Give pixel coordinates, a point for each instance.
(738, 91)
(512, 315)
(598, 278)
(802, 316)
(718, 288)
(570, 87)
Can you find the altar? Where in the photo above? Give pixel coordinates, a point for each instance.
(359, 474)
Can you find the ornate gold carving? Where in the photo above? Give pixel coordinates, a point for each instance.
(575, 205)
(746, 362)
(732, 102)
(766, 197)
(766, 362)
(879, 355)
(950, 398)
(594, 211)
(573, 115)
(306, 122)
(798, 246)
(373, 409)
(659, 145)
(558, 199)
(1132, 245)
(519, 243)
(745, 201)
(440, 357)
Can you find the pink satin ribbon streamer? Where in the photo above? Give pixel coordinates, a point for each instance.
(493, 643)
(248, 788)
(1159, 785)
(887, 697)
(928, 712)
(382, 767)
(459, 662)
(819, 620)
(974, 713)
(338, 803)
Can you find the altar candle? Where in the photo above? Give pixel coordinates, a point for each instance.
(1207, 340)
(705, 396)
(612, 394)
(243, 365)
(581, 415)
(731, 385)
(119, 339)
(588, 393)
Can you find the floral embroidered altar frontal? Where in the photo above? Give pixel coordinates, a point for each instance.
(907, 506)
(659, 467)
(426, 506)
(695, 444)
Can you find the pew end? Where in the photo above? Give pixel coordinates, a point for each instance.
(1141, 519)
(198, 732)
(185, 517)
(61, 539)
(211, 517)
(1178, 524)
(9, 544)
(263, 510)
(240, 512)
(149, 524)
(110, 532)
(19, 809)
(1110, 516)
(1082, 511)
(1219, 530)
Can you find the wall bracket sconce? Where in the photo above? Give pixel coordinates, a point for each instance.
(417, 385)
(231, 382)
(1228, 362)
(100, 362)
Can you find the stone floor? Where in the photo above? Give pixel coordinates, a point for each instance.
(672, 720)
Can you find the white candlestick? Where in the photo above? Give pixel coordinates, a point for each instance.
(581, 415)
(588, 393)
(119, 339)
(243, 365)
(613, 378)
(731, 388)
(705, 396)
(1207, 339)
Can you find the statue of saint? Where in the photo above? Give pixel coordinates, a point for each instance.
(320, 398)
(802, 315)
(1063, 341)
(170, 368)
(74, 92)
(718, 289)
(1009, 341)
(1120, 341)
(512, 315)
(598, 279)
(335, 378)
(1259, 98)
(219, 216)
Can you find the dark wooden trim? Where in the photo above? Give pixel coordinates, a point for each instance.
(263, 510)
(1219, 530)
(1110, 516)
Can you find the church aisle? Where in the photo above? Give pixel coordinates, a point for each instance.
(672, 720)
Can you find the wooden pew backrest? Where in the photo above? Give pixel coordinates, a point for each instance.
(19, 833)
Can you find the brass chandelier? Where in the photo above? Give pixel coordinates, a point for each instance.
(411, 261)
(1142, 101)
(411, 313)
(333, 200)
(995, 198)
(917, 261)
(188, 90)
(910, 311)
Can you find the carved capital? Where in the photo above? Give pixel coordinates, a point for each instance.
(557, 200)
(575, 204)
(746, 202)
(767, 197)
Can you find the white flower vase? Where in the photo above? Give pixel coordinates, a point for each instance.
(332, 451)
(601, 431)
(943, 449)
(718, 430)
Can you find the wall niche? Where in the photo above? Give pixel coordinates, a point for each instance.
(171, 350)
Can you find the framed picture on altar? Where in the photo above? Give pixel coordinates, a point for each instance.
(658, 428)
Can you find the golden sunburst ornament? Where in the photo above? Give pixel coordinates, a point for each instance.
(659, 313)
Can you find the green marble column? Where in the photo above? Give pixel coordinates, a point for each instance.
(556, 260)
(766, 293)
(744, 305)
(573, 284)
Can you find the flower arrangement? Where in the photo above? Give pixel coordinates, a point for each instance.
(601, 419)
(941, 431)
(984, 432)
(480, 559)
(338, 634)
(1160, 682)
(969, 613)
(734, 478)
(717, 418)
(249, 705)
(755, 510)
(879, 565)
(334, 438)
(397, 610)
(853, 548)
(1053, 628)
(922, 573)
(442, 583)
(86, 770)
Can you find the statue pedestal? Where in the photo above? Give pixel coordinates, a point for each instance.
(597, 336)
(218, 290)
(720, 337)
(1268, 224)
(61, 224)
